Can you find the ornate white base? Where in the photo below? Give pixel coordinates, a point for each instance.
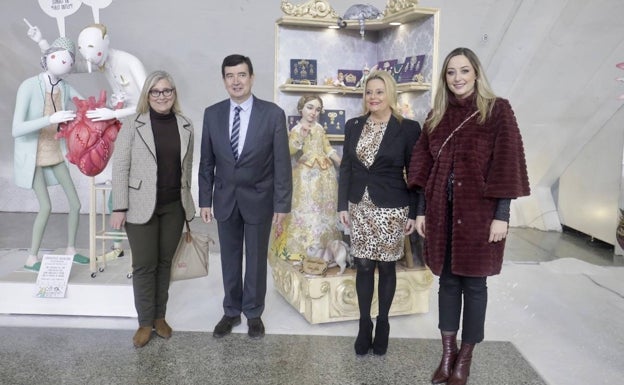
(333, 298)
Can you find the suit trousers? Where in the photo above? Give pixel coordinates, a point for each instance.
(153, 245)
(244, 295)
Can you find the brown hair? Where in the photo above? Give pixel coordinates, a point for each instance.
(306, 98)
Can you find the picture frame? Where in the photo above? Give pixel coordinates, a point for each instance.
(387, 65)
(350, 78)
(303, 71)
(333, 121)
(412, 67)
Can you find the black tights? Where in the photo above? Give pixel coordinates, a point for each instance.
(365, 286)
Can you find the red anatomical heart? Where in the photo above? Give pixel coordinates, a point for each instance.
(89, 144)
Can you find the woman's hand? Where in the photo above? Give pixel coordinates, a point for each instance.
(410, 226)
(118, 219)
(498, 230)
(344, 219)
(420, 225)
(305, 131)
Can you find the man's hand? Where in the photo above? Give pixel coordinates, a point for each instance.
(206, 214)
(278, 218)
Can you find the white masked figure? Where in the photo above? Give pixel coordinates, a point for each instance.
(124, 72)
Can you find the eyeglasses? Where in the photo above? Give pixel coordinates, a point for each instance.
(167, 92)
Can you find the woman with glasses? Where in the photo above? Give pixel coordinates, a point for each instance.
(152, 167)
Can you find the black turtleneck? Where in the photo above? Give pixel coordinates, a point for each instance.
(167, 141)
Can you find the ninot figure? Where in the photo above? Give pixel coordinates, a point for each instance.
(42, 102)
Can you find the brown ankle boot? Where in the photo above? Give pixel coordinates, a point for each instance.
(142, 336)
(449, 355)
(163, 329)
(461, 371)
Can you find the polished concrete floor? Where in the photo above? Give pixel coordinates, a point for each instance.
(555, 316)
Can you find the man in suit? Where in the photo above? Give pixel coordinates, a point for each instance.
(245, 180)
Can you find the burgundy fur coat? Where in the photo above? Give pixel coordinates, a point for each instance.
(488, 163)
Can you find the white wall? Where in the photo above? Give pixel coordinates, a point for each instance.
(554, 60)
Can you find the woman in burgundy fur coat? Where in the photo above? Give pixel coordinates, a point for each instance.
(468, 163)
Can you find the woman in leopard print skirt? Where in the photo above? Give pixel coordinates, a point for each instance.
(375, 203)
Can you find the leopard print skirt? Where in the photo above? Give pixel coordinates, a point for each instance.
(377, 232)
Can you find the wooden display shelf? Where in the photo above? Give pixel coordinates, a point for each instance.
(303, 88)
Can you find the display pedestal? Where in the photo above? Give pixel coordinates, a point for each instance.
(108, 295)
(332, 297)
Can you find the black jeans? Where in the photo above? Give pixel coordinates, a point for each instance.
(153, 245)
(455, 288)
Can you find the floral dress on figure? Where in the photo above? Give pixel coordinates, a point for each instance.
(313, 219)
(377, 233)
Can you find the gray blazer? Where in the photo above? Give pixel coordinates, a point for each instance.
(260, 182)
(135, 169)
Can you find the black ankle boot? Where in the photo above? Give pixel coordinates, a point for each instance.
(382, 332)
(364, 339)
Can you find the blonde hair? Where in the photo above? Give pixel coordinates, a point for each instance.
(485, 97)
(391, 92)
(151, 80)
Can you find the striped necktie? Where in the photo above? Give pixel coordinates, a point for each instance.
(235, 131)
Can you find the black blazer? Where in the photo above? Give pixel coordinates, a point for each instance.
(385, 178)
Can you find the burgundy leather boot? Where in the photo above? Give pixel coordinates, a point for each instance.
(449, 355)
(461, 371)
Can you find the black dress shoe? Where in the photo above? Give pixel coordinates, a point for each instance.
(224, 327)
(256, 328)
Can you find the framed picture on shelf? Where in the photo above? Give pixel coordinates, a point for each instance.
(350, 77)
(333, 121)
(303, 71)
(387, 65)
(412, 67)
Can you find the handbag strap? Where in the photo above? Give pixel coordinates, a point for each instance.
(453, 133)
(189, 237)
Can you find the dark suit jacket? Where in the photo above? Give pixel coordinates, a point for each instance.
(385, 178)
(260, 182)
